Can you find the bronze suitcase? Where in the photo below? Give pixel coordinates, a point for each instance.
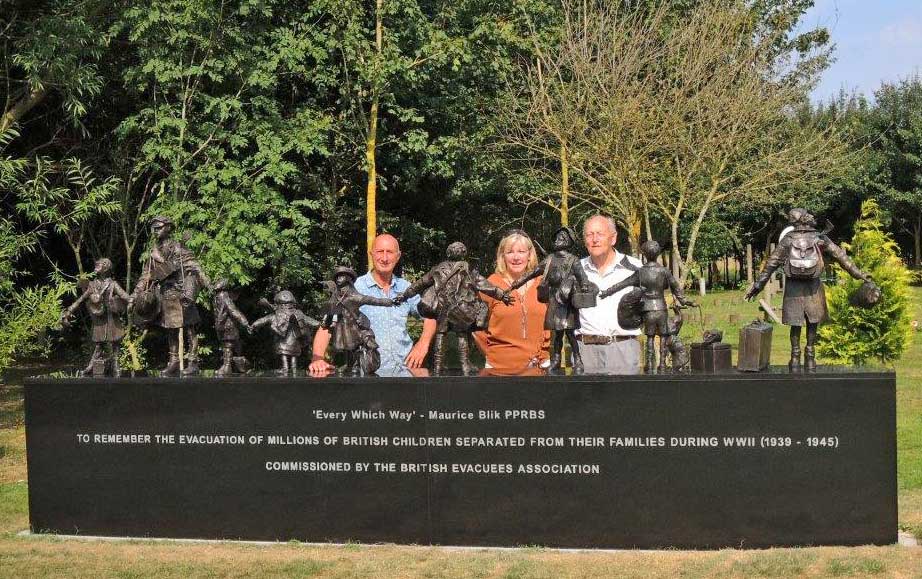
(711, 357)
(755, 346)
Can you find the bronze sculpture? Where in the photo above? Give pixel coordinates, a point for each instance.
(449, 296)
(105, 302)
(291, 328)
(801, 254)
(678, 353)
(562, 278)
(654, 280)
(165, 295)
(351, 330)
(227, 318)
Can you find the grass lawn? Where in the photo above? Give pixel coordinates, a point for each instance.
(48, 556)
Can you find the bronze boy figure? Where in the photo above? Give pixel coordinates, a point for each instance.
(350, 328)
(450, 297)
(654, 280)
(562, 275)
(227, 318)
(165, 294)
(105, 301)
(801, 253)
(291, 328)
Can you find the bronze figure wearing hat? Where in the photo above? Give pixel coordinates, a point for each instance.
(801, 253)
(227, 320)
(653, 279)
(449, 296)
(565, 288)
(105, 302)
(291, 328)
(351, 330)
(165, 295)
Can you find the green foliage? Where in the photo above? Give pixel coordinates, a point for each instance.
(897, 150)
(25, 314)
(882, 332)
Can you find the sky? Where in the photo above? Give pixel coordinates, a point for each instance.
(876, 40)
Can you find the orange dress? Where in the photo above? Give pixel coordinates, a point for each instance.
(515, 335)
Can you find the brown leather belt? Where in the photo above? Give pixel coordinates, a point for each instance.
(602, 340)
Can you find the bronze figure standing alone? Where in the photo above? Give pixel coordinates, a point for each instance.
(801, 254)
(563, 275)
(105, 301)
(165, 294)
(450, 297)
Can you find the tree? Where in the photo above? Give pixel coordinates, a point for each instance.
(857, 335)
(724, 114)
(897, 119)
(65, 198)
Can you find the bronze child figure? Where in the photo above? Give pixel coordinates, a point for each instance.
(227, 319)
(290, 327)
(350, 328)
(165, 294)
(105, 301)
(654, 280)
(449, 296)
(801, 253)
(563, 276)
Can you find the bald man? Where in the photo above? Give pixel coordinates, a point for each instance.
(389, 324)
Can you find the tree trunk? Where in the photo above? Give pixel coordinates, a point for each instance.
(750, 277)
(917, 241)
(646, 220)
(371, 142)
(675, 256)
(564, 185)
(635, 226)
(21, 107)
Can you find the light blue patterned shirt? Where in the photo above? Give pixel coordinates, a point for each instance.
(389, 324)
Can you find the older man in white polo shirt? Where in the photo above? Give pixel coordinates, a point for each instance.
(606, 347)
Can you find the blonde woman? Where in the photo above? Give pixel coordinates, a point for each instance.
(515, 338)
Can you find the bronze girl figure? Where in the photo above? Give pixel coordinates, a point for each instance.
(801, 254)
(290, 326)
(105, 301)
(351, 330)
(563, 276)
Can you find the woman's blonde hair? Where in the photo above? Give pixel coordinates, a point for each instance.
(508, 241)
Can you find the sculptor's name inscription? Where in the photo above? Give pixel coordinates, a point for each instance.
(442, 415)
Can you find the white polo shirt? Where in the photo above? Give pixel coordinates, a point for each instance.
(602, 320)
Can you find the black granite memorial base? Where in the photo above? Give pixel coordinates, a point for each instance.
(721, 460)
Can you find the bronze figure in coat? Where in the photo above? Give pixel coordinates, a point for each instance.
(449, 296)
(227, 321)
(165, 294)
(562, 277)
(105, 301)
(801, 253)
(350, 329)
(653, 279)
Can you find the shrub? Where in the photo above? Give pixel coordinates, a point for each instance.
(857, 335)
